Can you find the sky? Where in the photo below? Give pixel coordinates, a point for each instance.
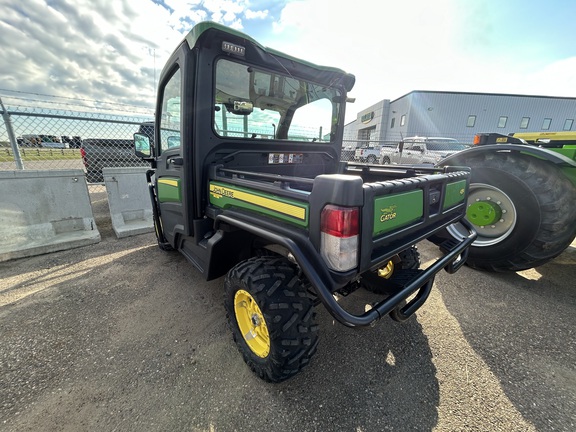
(109, 53)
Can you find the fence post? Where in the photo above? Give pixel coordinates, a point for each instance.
(11, 137)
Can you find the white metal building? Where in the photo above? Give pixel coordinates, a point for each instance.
(459, 115)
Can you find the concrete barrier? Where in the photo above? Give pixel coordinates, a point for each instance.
(44, 211)
(129, 201)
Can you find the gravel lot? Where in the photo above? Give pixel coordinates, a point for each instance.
(121, 336)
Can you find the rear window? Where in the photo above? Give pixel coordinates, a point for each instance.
(259, 104)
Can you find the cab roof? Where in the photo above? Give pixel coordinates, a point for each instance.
(199, 31)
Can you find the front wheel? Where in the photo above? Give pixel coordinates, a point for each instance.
(271, 316)
(522, 208)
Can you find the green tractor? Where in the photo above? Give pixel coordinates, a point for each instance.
(522, 198)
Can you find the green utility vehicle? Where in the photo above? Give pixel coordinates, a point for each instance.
(522, 199)
(246, 182)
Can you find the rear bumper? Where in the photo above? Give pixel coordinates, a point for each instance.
(321, 279)
(455, 253)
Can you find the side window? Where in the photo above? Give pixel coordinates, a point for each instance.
(170, 116)
(418, 146)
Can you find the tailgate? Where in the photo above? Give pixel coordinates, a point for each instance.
(400, 213)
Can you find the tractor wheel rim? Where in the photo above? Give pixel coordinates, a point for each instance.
(251, 323)
(492, 213)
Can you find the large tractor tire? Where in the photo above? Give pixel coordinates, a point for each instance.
(271, 316)
(523, 209)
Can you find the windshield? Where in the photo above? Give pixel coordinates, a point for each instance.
(258, 104)
(445, 145)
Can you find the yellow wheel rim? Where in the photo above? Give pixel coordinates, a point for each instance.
(387, 271)
(251, 323)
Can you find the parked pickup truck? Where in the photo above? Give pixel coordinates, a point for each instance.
(371, 152)
(420, 150)
(98, 153)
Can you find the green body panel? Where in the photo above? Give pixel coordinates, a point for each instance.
(395, 211)
(224, 196)
(569, 151)
(455, 193)
(570, 173)
(169, 189)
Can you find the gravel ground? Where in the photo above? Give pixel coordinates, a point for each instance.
(121, 336)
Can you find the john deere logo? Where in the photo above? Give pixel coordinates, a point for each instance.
(388, 213)
(462, 191)
(366, 118)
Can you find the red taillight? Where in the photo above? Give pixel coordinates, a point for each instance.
(339, 239)
(340, 221)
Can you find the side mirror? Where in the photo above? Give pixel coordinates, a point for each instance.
(142, 146)
(173, 141)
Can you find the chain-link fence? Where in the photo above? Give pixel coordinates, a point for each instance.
(45, 138)
(52, 136)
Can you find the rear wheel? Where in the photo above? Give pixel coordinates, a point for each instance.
(384, 280)
(522, 208)
(385, 160)
(271, 316)
(371, 159)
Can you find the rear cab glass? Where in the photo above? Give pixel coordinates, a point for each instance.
(258, 104)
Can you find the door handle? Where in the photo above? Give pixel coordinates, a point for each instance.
(179, 161)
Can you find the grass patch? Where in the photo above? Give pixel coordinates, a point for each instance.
(41, 154)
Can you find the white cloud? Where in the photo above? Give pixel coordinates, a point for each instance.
(250, 14)
(381, 49)
(115, 49)
(414, 45)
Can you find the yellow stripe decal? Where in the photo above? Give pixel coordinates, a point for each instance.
(278, 206)
(168, 182)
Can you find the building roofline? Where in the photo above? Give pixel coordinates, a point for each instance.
(482, 94)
